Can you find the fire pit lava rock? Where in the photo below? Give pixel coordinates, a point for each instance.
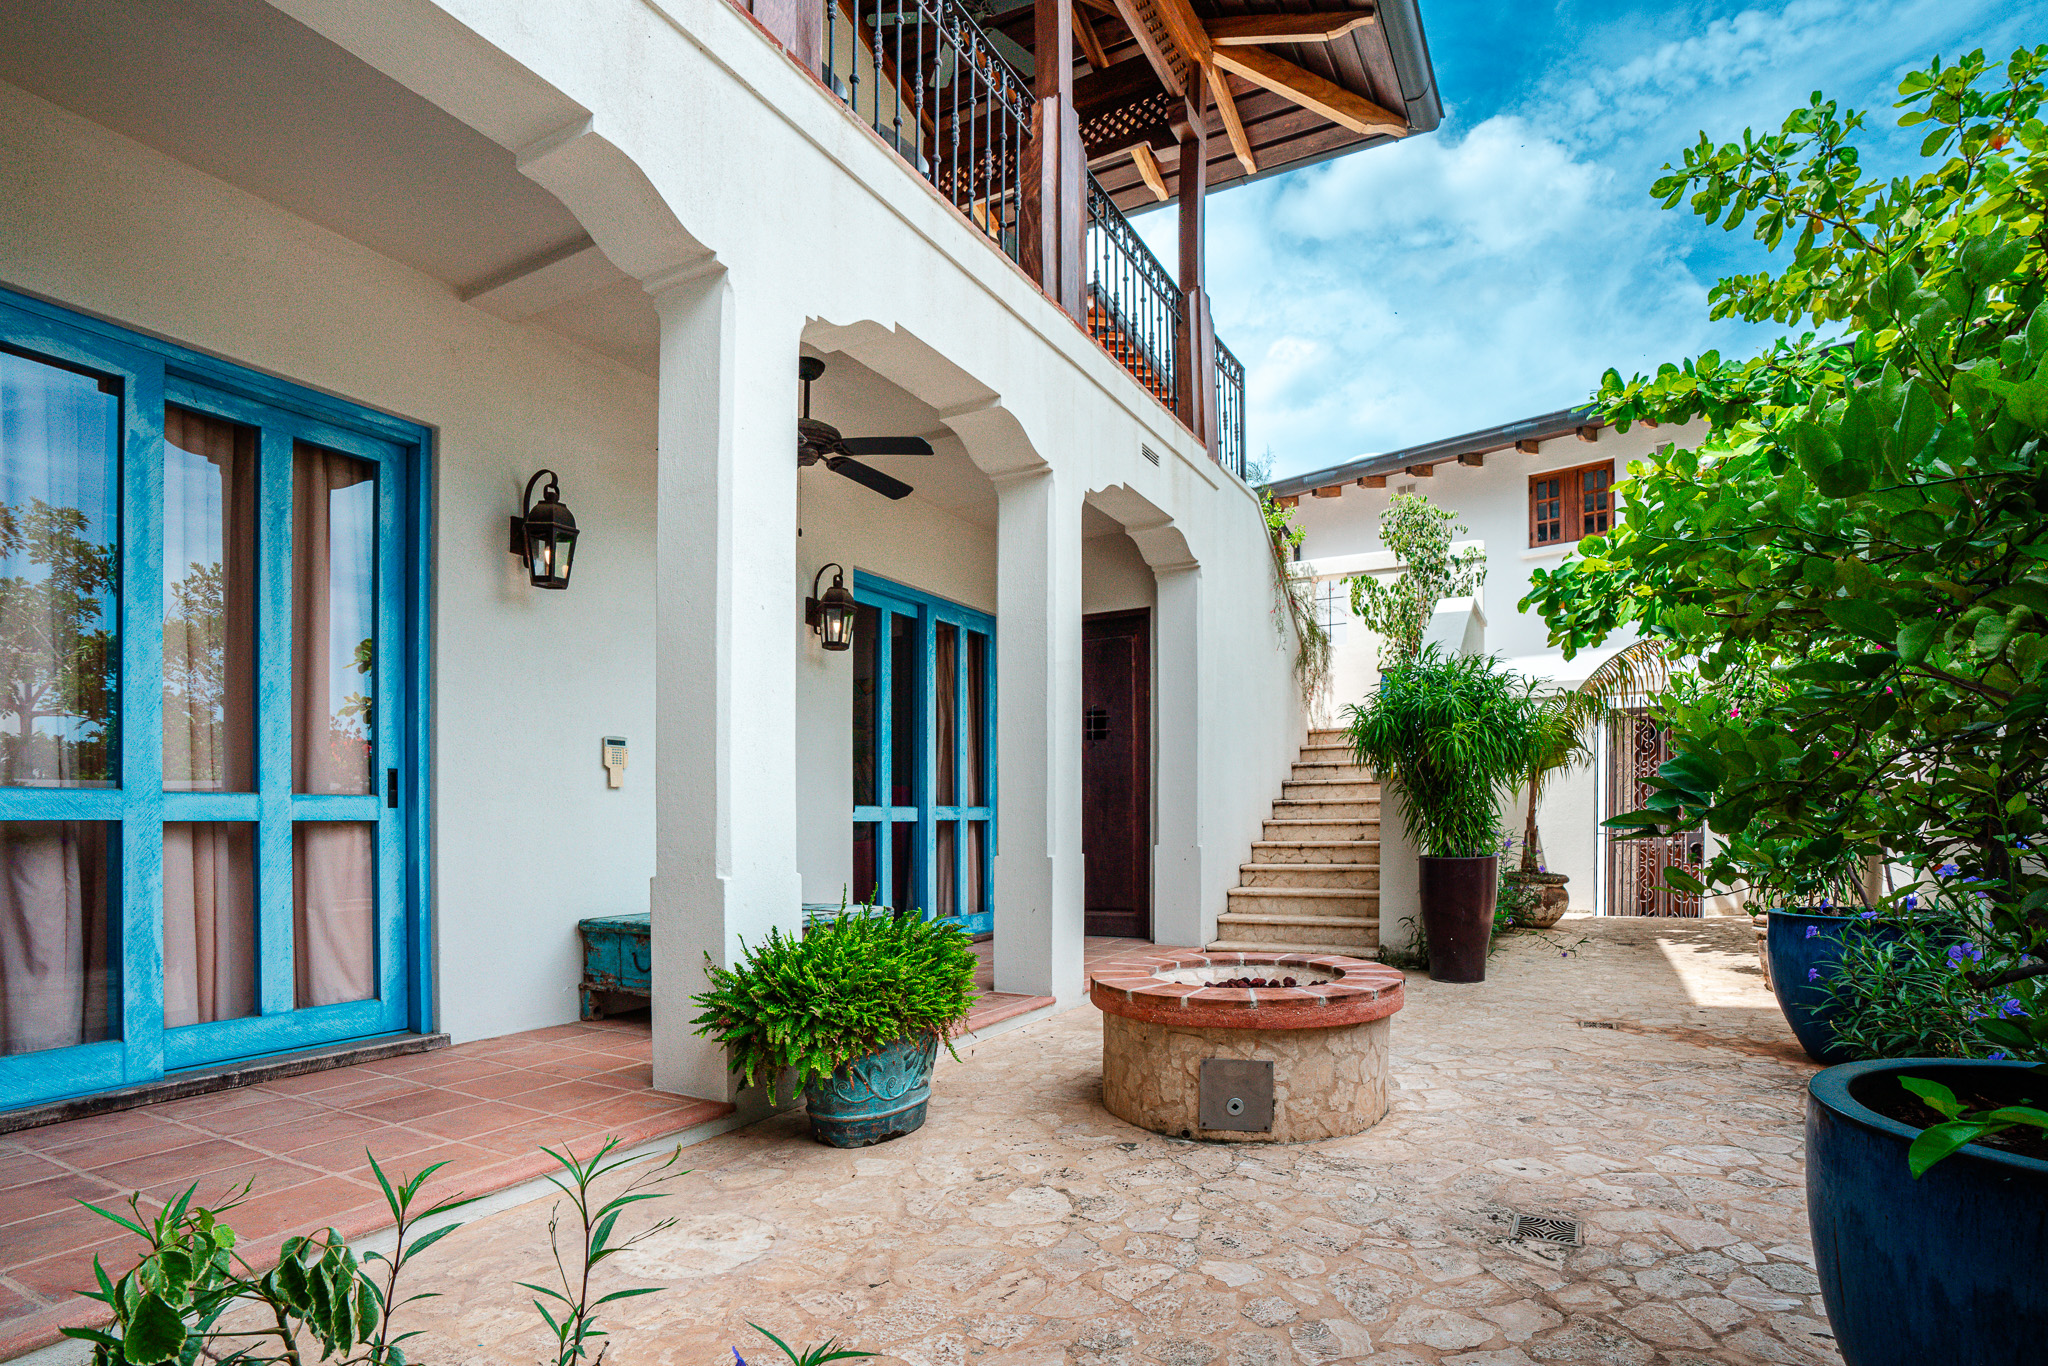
(1164, 1016)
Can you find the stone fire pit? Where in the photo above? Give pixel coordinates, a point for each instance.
(1183, 1056)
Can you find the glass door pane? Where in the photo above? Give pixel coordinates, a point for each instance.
(334, 613)
(60, 432)
(334, 913)
(209, 603)
(58, 935)
(209, 921)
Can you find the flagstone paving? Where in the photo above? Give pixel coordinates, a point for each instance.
(1644, 1084)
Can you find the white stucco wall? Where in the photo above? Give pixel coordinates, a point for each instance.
(1492, 502)
(527, 839)
(703, 163)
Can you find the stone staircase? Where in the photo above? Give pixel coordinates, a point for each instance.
(1313, 884)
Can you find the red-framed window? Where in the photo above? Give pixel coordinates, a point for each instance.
(1565, 505)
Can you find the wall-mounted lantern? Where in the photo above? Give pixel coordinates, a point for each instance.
(544, 533)
(830, 615)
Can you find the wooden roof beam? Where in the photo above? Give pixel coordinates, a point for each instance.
(1372, 481)
(1248, 29)
(1233, 125)
(1148, 171)
(1311, 92)
(1155, 55)
(1528, 447)
(1473, 458)
(1587, 433)
(1330, 491)
(1423, 471)
(1090, 44)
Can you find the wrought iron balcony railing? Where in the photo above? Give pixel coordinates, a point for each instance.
(932, 83)
(926, 77)
(1134, 306)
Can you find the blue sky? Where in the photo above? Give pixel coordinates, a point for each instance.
(1493, 269)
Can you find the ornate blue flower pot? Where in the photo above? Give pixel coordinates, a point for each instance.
(875, 1098)
(1943, 1269)
(1805, 949)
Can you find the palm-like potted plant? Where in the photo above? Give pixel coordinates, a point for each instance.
(854, 1010)
(1452, 736)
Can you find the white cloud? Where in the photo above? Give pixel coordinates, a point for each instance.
(1491, 270)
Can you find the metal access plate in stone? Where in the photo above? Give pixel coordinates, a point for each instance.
(1237, 1095)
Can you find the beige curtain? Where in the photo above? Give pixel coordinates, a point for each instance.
(209, 922)
(334, 916)
(54, 973)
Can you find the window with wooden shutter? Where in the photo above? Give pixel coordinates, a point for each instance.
(1565, 505)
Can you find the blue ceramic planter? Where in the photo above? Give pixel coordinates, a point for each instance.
(1943, 1269)
(1796, 956)
(876, 1098)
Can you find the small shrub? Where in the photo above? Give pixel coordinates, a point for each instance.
(810, 1004)
(1915, 997)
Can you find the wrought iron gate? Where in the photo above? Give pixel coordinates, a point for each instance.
(1635, 868)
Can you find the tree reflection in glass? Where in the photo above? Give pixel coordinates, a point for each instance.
(59, 574)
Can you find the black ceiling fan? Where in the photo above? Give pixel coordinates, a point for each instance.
(820, 441)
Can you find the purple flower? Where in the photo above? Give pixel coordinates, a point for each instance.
(1872, 915)
(1812, 930)
(1949, 869)
(1911, 901)
(1996, 1055)
(1813, 974)
(1958, 952)
(2011, 1009)
(737, 1357)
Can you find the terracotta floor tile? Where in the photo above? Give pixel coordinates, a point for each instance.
(46, 1197)
(108, 1129)
(469, 1121)
(216, 1185)
(505, 1083)
(19, 1166)
(268, 1115)
(389, 1142)
(308, 1208)
(160, 1136)
(64, 1230)
(58, 1279)
(568, 1095)
(412, 1105)
(550, 1130)
(321, 1127)
(624, 1107)
(310, 1083)
(183, 1163)
(364, 1089)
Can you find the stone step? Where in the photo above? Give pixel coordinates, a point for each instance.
(1285, 931)
(1331, 789)
(1331, 768)
(1293, 946)
(1322, 830)
(1309, 901)
(1353, 876)
(1317, 810)
(1343, 852)
(1327, 754)
(1329, 736)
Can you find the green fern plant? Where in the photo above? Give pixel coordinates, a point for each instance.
(812, 1003)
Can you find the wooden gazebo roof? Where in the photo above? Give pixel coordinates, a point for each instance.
(1289, 82)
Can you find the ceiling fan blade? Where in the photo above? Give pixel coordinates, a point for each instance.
(885, 445)
(869, 477)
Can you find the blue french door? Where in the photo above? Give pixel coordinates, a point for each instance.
(924, 832)
(208, 712)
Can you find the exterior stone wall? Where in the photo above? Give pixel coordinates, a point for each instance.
(1327, 1083)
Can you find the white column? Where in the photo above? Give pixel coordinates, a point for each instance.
(1039, 875)
(725, 655)
(1182, 913)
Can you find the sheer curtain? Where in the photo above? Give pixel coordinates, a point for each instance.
(54, 971)
(209, 714)
(333, 862)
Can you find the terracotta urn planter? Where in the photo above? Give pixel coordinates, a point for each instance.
(1552, 900)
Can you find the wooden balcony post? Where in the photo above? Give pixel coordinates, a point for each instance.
(1195, 364)
(1055, 207)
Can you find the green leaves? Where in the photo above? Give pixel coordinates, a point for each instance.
(1959, 1125)
(1863, 617)
(810, 1004)
(1837, 470)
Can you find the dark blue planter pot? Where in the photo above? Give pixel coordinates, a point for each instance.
(876, 1098)
(1943, 1269)
(1796, 956)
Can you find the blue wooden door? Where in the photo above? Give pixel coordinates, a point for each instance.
(924, 835)
(207, 699)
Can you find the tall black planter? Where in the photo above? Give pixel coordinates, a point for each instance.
(1457, 915)
(1943, 1269)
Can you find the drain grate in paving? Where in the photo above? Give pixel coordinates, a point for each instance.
(1598, 1024)
(1539, 1228)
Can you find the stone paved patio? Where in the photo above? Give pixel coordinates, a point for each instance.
(1645, 1085)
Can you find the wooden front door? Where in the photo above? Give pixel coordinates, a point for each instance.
(1116, 772)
